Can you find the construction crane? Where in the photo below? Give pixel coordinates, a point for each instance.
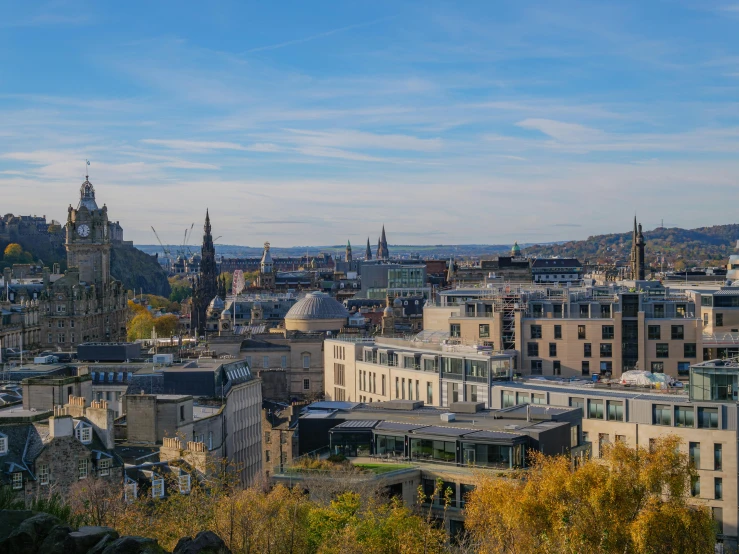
(167, 253)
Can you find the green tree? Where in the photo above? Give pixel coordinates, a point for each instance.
(166, 325)
(140, 326)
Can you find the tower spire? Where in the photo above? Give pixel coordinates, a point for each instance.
(368, 252)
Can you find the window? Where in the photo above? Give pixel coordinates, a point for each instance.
(578, 403)
(157, 488)
(84, 434)
(104, 467)
(607, 332)
(708, 418)
(684, 416)
(267, 456)
(653, 332)
(17, 480)
(538, 398)
(3, 444)
(606, 367)
(60, 338)
(719, 320)
(267, 437)
(536, 367)
(402, 388)
(184, 483)
(677, 332)
(340, 374)
(552, 349)
(509, 399)
(587, 350)
(418, 390)
(661, 414)
(606, 350)
(718, 519)
(82, 468)
(574, 435)
(182, 413)
(605, 311)
(557, 331)
(43, 474)
(689, 350)
(694, 454)
(532, 348)
(659, 310)
(717, 457)
(522, 398)
(397, 387)
(603, 443)
(306, 361)
(705, 319)
(585, 367)
(306, 384)
(429, 394)
(683, 368)
(130, 491)
(556, 367)
(706, 301)
(484, 330)
(663, 350)
(581, 331)
(265, 362)
(283, 362)
(615, 410)
(455, 330)
(695, 486)
(718, 488)
(536, 331)
(383, 385)
(585, 436)
(658, 367)
(621, 439)
(595, 409)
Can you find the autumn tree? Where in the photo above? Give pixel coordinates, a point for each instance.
(140, 326)
(12, 252)
(633, 500)
(166, 325)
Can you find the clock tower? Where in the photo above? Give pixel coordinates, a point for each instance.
(88, 238)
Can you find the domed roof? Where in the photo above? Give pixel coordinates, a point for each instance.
(397, 302)
(516, 248)
(317, 305)
(217, 304)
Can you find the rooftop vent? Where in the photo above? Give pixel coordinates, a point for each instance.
(448, 417)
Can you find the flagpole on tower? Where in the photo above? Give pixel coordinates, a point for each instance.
(87, 171)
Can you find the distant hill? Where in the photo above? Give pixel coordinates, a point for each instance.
(702, 246)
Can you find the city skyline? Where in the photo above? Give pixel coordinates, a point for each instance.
(309, 125)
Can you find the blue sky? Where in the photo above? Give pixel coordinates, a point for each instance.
(313, 122)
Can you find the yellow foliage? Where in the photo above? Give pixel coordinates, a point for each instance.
(614, 505)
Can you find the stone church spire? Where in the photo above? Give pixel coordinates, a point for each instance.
(638, 269)
(368, 252)
(382, 250)
(348, 251)
(207, 287)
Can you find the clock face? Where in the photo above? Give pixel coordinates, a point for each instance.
(83, 230)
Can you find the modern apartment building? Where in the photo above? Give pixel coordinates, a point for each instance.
(705, 419)
(581, 331)
(381, 369)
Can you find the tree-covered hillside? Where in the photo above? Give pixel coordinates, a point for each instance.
(709, 246)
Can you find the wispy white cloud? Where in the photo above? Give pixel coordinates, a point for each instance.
(317, 36)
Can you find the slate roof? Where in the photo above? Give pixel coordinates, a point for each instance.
(556, 263)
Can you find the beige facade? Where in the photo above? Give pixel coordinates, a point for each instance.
(43, 393)
(637, 419)
(299, 355)
(572, 332)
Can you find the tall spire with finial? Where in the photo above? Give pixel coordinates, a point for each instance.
(368, 252)
(348, 251)
(207, 287)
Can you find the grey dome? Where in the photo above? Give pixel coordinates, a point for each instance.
(317, 305)
(217, 304)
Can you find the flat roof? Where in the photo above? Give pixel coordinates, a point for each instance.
(427, 420)
(537, 385)
(18, 411)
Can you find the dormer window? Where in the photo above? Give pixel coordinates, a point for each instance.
(184, 483)
(83, 432)
(104, 467)
(17, 481)
(3, 444)
(130, 490)
(157, 487)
